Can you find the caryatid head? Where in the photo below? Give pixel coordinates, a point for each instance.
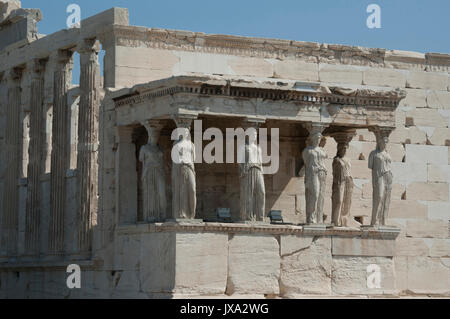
(382, 141)
(252, 136)
(342, 149)
(382, 135)
(154, 132)
(315, 138)
(184, 132)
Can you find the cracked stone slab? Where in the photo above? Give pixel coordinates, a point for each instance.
(305, 265)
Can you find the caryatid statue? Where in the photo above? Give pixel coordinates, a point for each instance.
(342, 183)
(153, 175)
(251, 176)
(184, 197)
(315, 176)
(380, 163)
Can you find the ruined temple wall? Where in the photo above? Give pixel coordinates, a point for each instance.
(419, 148)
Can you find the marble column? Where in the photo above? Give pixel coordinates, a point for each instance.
(315, 174)
(343, 185)
(32, 219)
(184, 196)
(60, 152)
(380, 163)
(13, 136)
(87, 191)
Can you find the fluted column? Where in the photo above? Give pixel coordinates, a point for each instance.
(10, 217)
(60, 148)
(32, 219)
(88, 144)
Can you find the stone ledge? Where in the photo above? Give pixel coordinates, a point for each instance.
(269, 229)
(46, 265)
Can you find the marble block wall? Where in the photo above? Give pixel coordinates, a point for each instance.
(217, 260)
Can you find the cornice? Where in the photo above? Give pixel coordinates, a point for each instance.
(216, 86)
(275, 48)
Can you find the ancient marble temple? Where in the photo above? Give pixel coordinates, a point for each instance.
(88, 175)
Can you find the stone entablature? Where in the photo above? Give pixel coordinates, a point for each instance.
(276, 99)
(62, 40)
(310, 93)
(311, 52)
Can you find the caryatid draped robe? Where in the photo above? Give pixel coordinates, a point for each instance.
(315, 181)
(380, 163)
(252, 188)
(183, 181)
(342, 192)
(153, 183)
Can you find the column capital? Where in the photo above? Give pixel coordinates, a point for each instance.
(37, 66)
(62, 56)
(314, 127)
(14, 76)
(381, 131)
(255, 122)
(88, 50)
(184, 120)
(87, 46)
(152, 125)
(344, 137)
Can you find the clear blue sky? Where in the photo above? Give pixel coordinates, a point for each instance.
(414, 25)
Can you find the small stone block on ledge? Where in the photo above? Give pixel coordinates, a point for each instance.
(254, 223)
(185, 221)
(388, 229)
(315, 227)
